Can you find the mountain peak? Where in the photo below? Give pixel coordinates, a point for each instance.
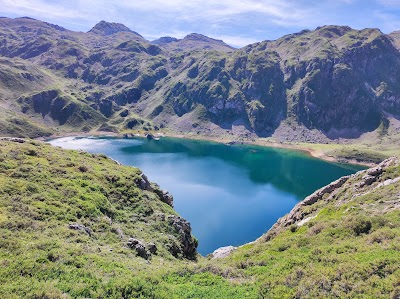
(333, 30)
(206, 41)
(164, 40)
(107, 28)
(201, 37)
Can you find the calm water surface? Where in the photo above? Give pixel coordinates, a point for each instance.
(230, 194)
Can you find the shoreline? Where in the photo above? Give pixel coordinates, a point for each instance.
(222, 140)
(318, 154)
(308, 150)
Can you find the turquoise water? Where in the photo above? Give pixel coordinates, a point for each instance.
(230, 194)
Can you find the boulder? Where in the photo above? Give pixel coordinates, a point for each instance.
(369, 179)
(223, 252)
(144, 183)
(165, 197)
(152, 248)
(140, 248)
(375, 171)
(13, 139)
(141, 251)
(150, 136)
(174, 248)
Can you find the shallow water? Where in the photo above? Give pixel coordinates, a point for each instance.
(230, 194)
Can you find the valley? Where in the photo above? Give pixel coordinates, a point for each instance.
(231, 195)
(246, 132)
(292, 91)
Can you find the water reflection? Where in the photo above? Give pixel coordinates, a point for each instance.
(231, 195)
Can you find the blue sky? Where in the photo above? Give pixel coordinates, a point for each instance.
(237, 22)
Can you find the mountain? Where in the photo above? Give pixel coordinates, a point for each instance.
(105, 28)
(333, 84)
(195, 41)
(164, 40)
(79, 225)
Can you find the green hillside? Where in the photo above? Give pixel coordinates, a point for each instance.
(67, 219)
(77, 225)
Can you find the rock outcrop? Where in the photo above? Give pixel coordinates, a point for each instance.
(360, 182)
(223, 252)
(332, 82)
(163, 195)
(140, 248)
(188, 245)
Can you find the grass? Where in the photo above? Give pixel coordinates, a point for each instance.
(13, 124)
(43, 190)
(349, 249)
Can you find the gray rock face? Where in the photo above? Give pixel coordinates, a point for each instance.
(375, 171)
(223, 252)
(364, 178)
(296, 214)
(144, 183)
(164, 195)
(313, 198)
(140, 248)
(188, 244)
(368, 180)
(372, 175)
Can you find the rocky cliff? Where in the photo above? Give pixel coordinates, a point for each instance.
(332, 82)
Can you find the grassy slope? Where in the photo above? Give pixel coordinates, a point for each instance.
(42, 191)
(350, 249)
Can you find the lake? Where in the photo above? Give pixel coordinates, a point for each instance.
(231, 195)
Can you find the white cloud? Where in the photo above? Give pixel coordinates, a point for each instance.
(185, 10)
(238, 22)
(389, 22)
(174, 17)
(389, 2)
(217, 11)
(236, 41)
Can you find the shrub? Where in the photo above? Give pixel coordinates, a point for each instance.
(359, 225)
(83, 168)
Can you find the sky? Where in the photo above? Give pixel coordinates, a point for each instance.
(237, 22)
